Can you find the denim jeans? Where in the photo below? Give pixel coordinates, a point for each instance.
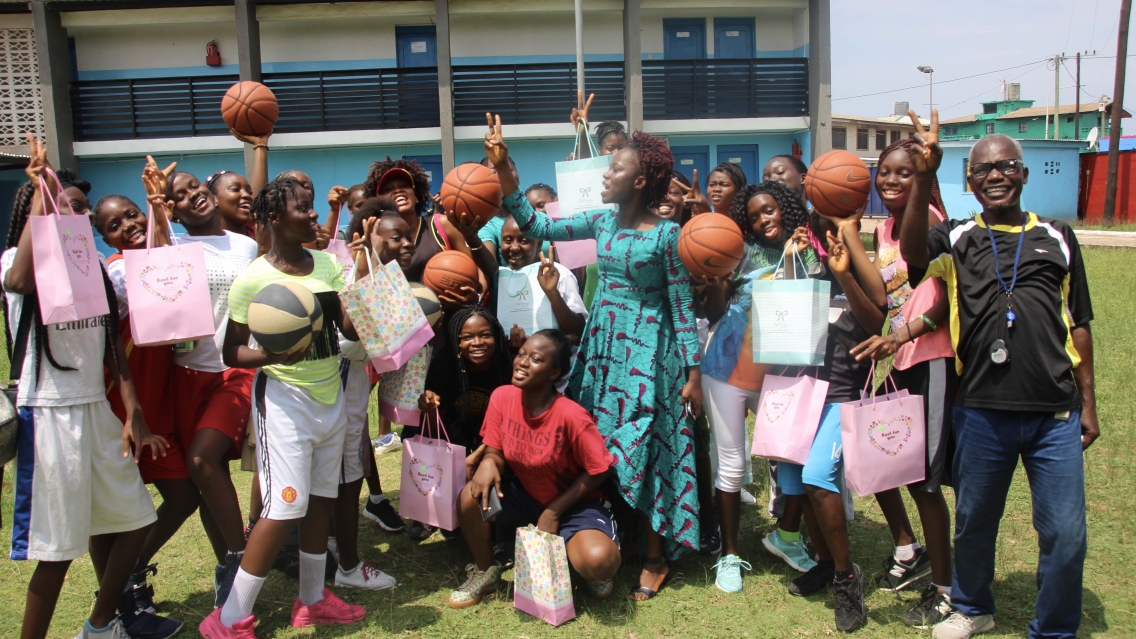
(989, 443)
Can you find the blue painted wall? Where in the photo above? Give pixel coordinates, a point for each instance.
(1053, 179)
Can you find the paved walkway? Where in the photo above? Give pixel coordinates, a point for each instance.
(1107, 238)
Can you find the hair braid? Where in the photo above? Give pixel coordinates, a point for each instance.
(793, 214)
(274, 198)
(656, 164)
(907, 144)
(501, 366)
(732, 171)
(609, 127)
(421, 180)
(21, 207)
(110, 326)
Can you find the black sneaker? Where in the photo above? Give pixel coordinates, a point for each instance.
(710, 542)
(147, 625)
(815, 580)
(419, 531)
(851, 612)
(138, 595)
(223, 577)
(248, 530)
(384, 515)
(898, 575)
(933, 607)
(502, 556)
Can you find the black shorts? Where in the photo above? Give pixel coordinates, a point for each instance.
(519, 509)
(937, 382)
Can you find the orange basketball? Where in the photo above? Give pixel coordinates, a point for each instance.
(250, 108)
(838, 184)
(449, 271)
(711, 245)
(474, 189)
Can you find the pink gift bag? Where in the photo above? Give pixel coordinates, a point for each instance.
(168, 290)
(885, 442)
(572, 253)
(788, 417)
(69, 279)
(433, 475)
(339, 249)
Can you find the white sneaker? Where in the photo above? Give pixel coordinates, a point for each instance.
(747, 498)
(388, 443)
(115, 631)
(960, 626)
(365, 576)
(478, 583)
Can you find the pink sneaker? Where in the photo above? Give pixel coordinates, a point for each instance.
(330, 609)
(212, 628)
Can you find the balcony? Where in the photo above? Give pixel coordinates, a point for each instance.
(408, 98)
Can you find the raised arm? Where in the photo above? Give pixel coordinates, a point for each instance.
(258, 177)
(840, 261)
(21, 277)
(927, 156)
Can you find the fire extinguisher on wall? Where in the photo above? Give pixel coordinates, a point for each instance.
(213, 54)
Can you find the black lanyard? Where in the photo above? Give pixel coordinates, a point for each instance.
(1008, 290)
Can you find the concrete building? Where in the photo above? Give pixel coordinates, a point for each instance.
(1053, 178)
(1019, 119)
(866, 137)
(725, 80)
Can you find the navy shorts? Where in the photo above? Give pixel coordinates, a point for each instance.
(519, 509)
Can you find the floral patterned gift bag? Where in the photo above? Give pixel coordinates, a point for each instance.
(885, 442)
(387, 316)
(542, 584)
(399, 390)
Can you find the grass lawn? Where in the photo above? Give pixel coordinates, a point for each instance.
(1104, 227)
(690, 606)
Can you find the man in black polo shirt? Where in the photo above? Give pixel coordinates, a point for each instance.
(1020, 314)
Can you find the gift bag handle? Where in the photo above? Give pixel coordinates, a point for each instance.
(440, 428)
(150, 229)
(582, 131)
(45, 192)
(887, 379)
(796, 254)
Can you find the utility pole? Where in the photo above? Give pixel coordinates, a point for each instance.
(1077, 102)
(1057, 97)
(580, 46)
(1117, 114)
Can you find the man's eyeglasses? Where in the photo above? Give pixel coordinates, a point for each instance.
(1005, 167)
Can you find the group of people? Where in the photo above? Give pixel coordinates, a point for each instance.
(623, 431)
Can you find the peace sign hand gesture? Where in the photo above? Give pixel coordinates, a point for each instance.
(926, 154)
(548, 276)
(692, 195)
(495, 148)
(580, 111)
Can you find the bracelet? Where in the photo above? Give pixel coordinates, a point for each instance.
(927, 320)
(260, 146)
(474, 248)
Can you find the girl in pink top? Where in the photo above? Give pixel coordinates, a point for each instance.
(923, 365)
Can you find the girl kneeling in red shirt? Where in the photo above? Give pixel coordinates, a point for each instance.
(555, 460)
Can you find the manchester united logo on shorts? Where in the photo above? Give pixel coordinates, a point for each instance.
(288, 494)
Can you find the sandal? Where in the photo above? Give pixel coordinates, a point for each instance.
(647, 593)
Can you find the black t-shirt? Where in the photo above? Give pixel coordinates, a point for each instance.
(462, 412)
(1050, 298)
(845, 376)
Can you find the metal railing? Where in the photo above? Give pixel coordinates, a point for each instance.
(408, 97)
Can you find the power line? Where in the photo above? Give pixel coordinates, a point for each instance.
(1069, 32)
(920, 86)
(1092, 38)
(1035, 68)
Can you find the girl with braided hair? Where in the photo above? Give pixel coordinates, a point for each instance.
(922, 361)
(638, 362)
(77, 487)
(722, 184)
(772, 219)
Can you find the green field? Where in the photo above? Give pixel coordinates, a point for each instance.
(690, 606)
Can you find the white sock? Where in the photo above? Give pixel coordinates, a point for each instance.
(378, 499)
(333, 545)
(906, 553)
(238, 606)
(311, 577)
(352, 571)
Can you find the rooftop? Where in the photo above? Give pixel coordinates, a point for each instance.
(1034, 112)
(901, 120)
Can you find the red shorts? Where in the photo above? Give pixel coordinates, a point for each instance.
(221, 401)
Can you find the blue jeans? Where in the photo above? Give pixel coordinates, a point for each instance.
(989, 443)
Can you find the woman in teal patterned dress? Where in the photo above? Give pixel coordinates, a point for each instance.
(638, 359)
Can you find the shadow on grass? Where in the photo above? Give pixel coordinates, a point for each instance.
(1016, 594)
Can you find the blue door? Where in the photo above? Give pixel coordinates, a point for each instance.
(689, 158)
(744, 155)
(733, 38)
(417, 46)
(684, 38)
(433, 166)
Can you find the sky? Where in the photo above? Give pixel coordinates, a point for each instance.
(877, 45)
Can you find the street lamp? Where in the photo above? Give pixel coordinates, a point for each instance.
(930, 85)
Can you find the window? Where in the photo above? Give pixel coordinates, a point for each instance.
(1023, 126)
(895, 136)
(861, 139)
(839, 138)
(881, 139)
(989, 128)
(966, 174)
(990, 107)
(950, 130)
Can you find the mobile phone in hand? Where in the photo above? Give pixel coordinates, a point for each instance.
(494, 505)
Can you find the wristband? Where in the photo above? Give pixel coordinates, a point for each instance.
(927, 320)
(260, 146)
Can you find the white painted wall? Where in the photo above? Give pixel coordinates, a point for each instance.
(479, 35)
(151, 47)
(776, 27)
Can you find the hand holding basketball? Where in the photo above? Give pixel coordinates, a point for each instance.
(250, 110)
(470, 196)
(926, 154)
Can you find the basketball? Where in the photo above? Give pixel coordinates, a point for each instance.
(711, 245)
(250, 108)
(474, 189)
(449, 271)
(283, 316)
(428, 301)
(838, 184)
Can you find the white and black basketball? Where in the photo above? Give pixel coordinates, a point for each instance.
(283, 317)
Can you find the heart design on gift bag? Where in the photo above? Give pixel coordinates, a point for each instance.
(167, 283)
(890, 435)
(426, 477)
(78, 251)
(775, 404)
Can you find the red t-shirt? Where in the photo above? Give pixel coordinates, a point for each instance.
(548, 452)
